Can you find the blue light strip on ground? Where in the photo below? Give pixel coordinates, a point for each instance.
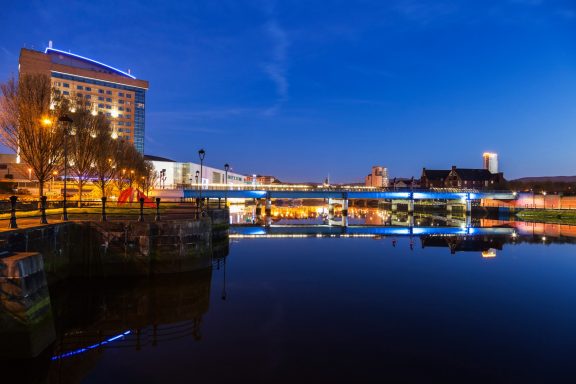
(93, 346)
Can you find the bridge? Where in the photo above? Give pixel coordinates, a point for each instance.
(342, 194)
(238, 231)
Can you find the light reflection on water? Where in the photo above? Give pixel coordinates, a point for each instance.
(336, 308)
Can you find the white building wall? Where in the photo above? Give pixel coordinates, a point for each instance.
(180, 175)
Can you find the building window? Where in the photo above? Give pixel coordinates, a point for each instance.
(128, 95)
(100, 91)
(100, 105)
(120, 94)
(66, 85)
(108, 99)
(79, 87)
(128, 123)
(108, 114)
(120, 123)
(108, 106)
(79, 94)
(66, 93)
(128, 116)
(128, 110)
(127, 130)
(108, 92)
(88, 89)
(120, 101)
(87, 96)
(120, 129)
(100, 98)
(120, 108)
(87, 103)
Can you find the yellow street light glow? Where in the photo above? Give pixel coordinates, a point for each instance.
(114, 135)
(46, 121)
(94, 112)
(114, 113)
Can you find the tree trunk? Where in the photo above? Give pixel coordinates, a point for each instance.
(80, 185)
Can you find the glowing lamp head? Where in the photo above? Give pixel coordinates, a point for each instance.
(114, 135)
(46, 121)
(114, 113)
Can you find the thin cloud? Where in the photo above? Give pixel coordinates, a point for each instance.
(276, 68)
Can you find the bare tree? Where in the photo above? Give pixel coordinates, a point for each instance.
(148, 176)
(82, 151)
(105, 163)
(29, 111)
(130, 163)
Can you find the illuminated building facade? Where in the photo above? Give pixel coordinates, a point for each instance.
(378, 177)
(102, 88)
(490, 161)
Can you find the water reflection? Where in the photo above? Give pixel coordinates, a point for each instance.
(301, 299)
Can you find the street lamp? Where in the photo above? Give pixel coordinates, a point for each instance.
(197, 173)
(544, 199)
(201, 154)
(226, 168)
(66, 122)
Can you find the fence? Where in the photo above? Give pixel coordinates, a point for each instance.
(41, 211)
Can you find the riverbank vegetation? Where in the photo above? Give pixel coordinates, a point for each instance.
(553, 216)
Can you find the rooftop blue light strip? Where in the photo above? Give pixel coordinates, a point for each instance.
(86, 349)
(90, 60)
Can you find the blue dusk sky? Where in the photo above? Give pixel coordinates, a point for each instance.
(305, 89)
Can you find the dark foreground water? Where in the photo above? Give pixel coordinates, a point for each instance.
(328, 310)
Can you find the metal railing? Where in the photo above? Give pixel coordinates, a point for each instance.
(42, 211)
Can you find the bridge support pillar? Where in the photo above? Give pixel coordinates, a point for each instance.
(411, 220)
(344, 220)
(449, 208)
(468, 207)
(330, 209)
(268, 220)
(394, 206)
(268, 209)
(345, 208)
(258, 209)
(411, 206)
(468, 221)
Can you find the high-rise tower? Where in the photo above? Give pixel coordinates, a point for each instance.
(104, 89)
(490, 161)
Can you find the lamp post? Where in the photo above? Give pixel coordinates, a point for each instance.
(201, 155)
(66, 122)
(197, 199)
(226, 168)
(544, 199)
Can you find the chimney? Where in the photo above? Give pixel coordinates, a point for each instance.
(453, 167)
(50, 44)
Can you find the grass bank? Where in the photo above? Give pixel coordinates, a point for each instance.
(554, 216)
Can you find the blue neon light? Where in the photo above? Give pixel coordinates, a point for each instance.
(86, 349)
(90, 60)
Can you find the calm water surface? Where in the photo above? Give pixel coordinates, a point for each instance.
(327, 310)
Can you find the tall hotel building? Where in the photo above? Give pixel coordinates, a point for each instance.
(490, 162)
(104, 89)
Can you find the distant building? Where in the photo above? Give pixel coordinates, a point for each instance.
(490, 161)
(173, 174)
(104, 89)
(401, 183)
(378, 177)
(461, 178)
(433, 178)
(262, 180)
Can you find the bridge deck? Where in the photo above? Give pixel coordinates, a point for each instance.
(261, 193)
